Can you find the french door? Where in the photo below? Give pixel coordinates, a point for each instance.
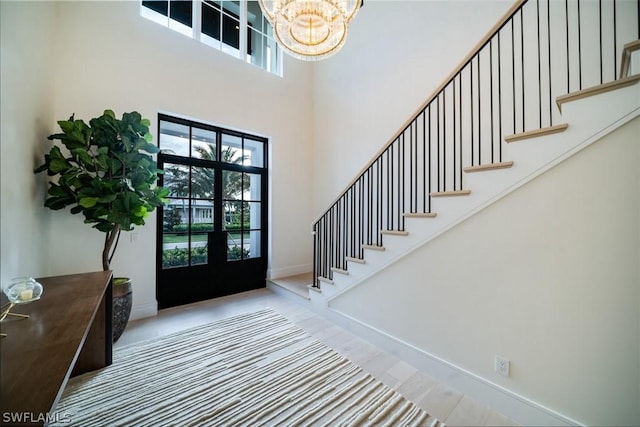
(212, 234)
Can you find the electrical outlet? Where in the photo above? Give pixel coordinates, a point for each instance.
(502, 366)
(133, 237)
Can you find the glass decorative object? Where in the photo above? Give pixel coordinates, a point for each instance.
(21, 290)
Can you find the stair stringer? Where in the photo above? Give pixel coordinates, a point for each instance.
(589, 120)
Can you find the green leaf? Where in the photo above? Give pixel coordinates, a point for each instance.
(76, 209)
(56, 190)
(82, 155)
(140, 211)
(57, 203)
(87, 202)
(57, 165)
(105, 227)
(66, 125)
(108, 198)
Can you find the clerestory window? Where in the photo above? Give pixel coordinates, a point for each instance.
(237, 28)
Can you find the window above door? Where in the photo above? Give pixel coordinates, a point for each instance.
(237, 28)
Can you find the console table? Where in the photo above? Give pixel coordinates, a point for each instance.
(68, 332)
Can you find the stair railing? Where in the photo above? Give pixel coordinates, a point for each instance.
(506, 85)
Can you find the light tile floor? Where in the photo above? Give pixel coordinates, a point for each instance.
(448, 405)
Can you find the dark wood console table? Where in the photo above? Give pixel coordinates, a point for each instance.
(68, 333)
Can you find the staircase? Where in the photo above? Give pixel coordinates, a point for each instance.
(529, 95)
(533, 153)
(550, 79)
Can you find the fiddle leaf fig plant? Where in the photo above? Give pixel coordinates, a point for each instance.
(105, 172)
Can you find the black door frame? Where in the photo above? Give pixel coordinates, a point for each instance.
(219, 276)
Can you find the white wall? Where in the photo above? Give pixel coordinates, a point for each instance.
(26, 116)
(396, 54)
(548, 277)
(107, 56)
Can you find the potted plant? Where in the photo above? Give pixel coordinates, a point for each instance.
(106, 173)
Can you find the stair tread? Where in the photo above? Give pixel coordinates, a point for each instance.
(595, 90)
(419, 214)
(339, 270)
(395, 232)
(450, 193)
(325, 280)
(356, 260)
(489, 166)
(374, 247)
(536, 132)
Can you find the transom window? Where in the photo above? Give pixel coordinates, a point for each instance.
(237, 28)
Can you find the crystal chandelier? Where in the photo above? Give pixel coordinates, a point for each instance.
(310, 29)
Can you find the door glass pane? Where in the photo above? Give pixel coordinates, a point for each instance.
(252, 244)
(176, 179)
(203, 144)
(201, 223)
(253, 153)
(233, 217)
(176, 216)
(235, 249)
(199, 248)
(251, 187)
(232, 149)
(202, 182)
(174, 138)
(231, 185)
(202, 216)
(252, 212)
(174, 250)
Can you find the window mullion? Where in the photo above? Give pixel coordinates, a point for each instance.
(243, 30)
(196, 15)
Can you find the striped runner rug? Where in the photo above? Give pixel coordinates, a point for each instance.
(255, 369)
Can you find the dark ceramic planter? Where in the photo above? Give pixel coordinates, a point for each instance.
(122, 300)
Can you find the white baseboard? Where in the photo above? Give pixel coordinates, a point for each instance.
(277, 273)
(519, 408)
(145, 310)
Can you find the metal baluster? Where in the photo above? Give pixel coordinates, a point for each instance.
(429, 164)
(453, 102)
(460, 138)
(491, 97)
(539, 66)
(600, 33)
(444, 139)
(499, 99)
(522, 65)
(579, 50)
(513, 71)
(549, 50)
(566, 9)
(471, 108)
